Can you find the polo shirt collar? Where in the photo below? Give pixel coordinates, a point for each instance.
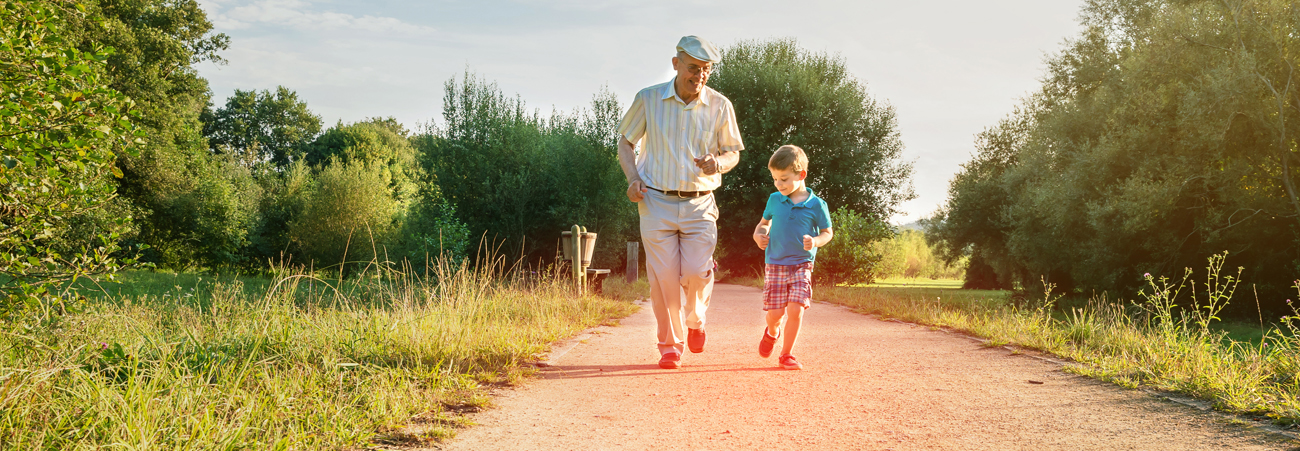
(670, 92)
(811, 196)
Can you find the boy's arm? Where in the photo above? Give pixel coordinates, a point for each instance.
(760, 233)
(820, 240)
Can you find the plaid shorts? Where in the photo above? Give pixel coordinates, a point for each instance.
(783, 284)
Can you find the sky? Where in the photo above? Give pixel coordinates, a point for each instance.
(949, 68)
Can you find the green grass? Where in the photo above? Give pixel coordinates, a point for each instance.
(181, 361)
(903, 282)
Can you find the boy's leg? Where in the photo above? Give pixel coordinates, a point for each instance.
(794, 312)
(800, 300)
(774, 322)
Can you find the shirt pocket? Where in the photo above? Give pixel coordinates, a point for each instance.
(703, 135)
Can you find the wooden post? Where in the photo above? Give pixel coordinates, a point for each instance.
(579, 271)
(633, 261)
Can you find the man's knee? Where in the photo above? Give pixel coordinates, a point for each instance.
(698, 278)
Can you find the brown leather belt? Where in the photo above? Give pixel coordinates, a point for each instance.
(685, 194)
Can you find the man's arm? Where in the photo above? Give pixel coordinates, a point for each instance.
(627, 160)
(727, 161)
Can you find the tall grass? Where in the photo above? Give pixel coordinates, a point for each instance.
(297, 363)
(1165, 339)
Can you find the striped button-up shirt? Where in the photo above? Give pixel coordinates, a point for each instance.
(676, 133)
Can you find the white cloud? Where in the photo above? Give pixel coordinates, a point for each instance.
(298, 15)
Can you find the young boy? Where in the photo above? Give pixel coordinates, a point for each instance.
(795, 223)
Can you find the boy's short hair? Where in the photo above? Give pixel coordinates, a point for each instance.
(788, 158)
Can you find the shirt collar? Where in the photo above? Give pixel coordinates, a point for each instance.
(670, 92)
(811, 196)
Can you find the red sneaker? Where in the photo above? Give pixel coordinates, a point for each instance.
(765, 345)
(695, 339)
(670, 361)
(788, 362)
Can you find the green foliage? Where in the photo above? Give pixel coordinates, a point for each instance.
(186, 209)
(850, 257)
(907, 255)
(1164, 132)
(347, 215)
(518, 179)
(263, 126)
(786, 95)
(60, 126)
(374, 141)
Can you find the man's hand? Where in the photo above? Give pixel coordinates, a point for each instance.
(807, 242)
(636, 191)
(761, 239)
(708, 164)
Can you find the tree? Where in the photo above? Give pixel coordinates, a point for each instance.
(261, 126)
(60, 126)
(850, 257)
(373, 141)
(518, 179)
(167, 181)
(347, 216)
(786, 95)
(1162, 134)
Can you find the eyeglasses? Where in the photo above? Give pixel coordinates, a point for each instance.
(697, 70)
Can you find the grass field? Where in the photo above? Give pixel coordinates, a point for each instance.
(182, 361)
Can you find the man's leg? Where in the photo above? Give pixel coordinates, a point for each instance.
(699, 237)
(659, 235)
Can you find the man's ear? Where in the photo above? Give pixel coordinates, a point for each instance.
(803, 174)
(674, 63)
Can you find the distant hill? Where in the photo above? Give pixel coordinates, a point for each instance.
(914, 225)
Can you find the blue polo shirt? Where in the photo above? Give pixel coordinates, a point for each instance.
(790, 222)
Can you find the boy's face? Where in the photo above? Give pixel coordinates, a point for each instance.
(787, 181)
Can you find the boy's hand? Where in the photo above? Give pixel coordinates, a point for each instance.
(807, 242)
(761, 239)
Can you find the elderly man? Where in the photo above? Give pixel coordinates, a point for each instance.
(688, 138)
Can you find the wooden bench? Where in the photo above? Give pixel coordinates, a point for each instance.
(595, 279)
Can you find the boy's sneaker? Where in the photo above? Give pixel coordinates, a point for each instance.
(695, 339)
(670, 361)
(788, 362)
(765, 345)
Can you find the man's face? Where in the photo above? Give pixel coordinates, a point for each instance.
(691, 74)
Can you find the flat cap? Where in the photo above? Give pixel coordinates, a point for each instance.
(699, 49)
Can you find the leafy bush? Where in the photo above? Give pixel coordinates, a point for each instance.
(784, 94)
(60, 126)
(518, 180)
(1163, 132)
(906, 254)
(850, 257)
(347, 216)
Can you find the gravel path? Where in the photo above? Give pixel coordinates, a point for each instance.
(866, 384)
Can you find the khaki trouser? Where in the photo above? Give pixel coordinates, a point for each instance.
(679, 235)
